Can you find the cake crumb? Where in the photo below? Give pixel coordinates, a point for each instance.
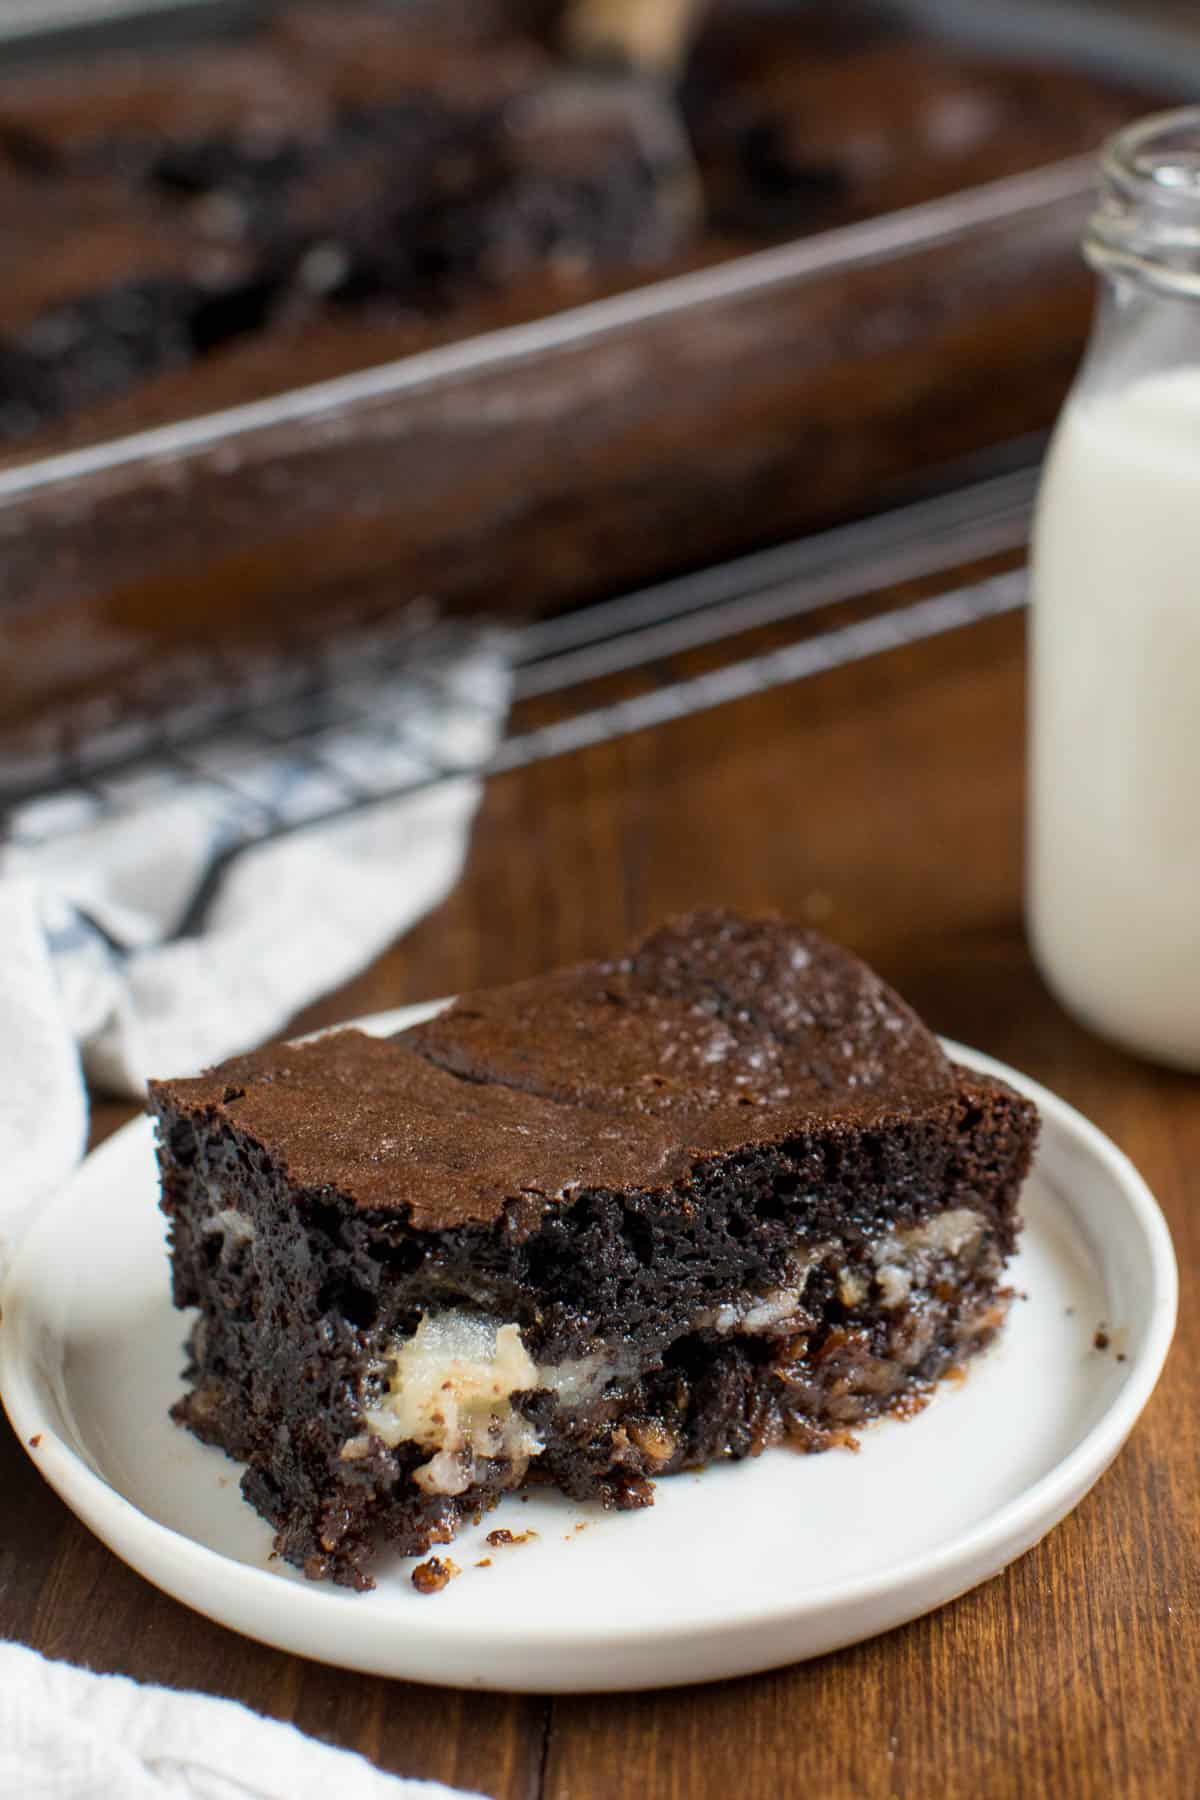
(905, 1406)
(1121, 1356)
(432, 1576)
(1101, 1339)
(35, 1441)
(485, 1562)
(503, 1536)
(653, 1439)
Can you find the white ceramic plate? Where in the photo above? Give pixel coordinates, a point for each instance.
(740, 1568)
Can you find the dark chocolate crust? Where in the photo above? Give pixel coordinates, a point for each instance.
(732, 1173)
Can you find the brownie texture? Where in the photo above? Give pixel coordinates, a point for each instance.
(354, 169)
(722, 1193)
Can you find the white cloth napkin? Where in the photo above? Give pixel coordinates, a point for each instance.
(94, 983)
(94, 883)
(66, 1734)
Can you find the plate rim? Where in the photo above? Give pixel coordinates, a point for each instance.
(1021, 1520)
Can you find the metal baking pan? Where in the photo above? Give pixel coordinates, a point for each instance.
(547, 463)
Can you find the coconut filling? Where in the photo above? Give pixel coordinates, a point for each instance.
(451, 1383)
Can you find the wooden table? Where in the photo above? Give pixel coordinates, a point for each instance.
(882, 801)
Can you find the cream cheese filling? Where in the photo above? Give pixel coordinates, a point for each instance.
(905, 1259)
(450, 1385)
(450, 1389)
(768, 1313)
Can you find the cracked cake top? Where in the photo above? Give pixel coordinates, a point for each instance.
(717, 1034)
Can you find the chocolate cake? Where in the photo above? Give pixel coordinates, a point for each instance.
(353, 171)
(724, 1193)
(405, 186)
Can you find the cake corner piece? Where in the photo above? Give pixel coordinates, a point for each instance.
(723, 1193)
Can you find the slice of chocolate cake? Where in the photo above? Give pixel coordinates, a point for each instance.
(724, 1193)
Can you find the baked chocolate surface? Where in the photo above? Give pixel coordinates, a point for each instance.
(724, 1192)
(352, 174)
(618, 1075)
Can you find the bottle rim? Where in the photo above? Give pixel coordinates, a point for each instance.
(1147, 223)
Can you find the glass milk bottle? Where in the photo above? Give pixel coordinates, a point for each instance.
(1114, 799)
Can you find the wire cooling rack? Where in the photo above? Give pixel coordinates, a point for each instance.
(373, 725)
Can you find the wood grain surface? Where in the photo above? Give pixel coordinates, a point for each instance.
(882, 802)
